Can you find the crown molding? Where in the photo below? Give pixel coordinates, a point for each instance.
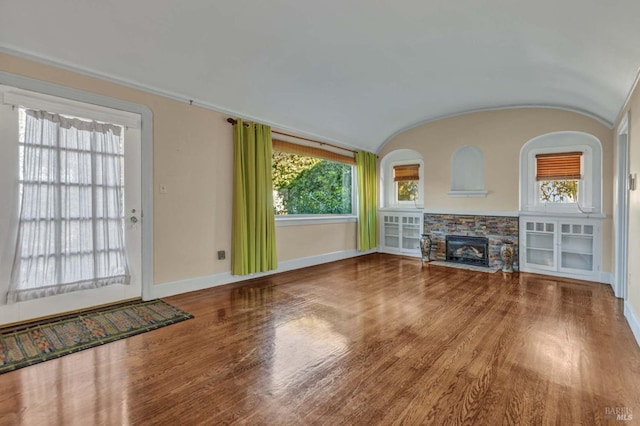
(44, 60)
(596, 117)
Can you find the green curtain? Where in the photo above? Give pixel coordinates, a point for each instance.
(367, 196)
(253, 246)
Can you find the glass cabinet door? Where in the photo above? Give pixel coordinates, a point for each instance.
(391, 229)
(576, 247)
(540, 246)
(411, 232)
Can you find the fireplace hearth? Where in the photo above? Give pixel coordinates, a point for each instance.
(467, 250)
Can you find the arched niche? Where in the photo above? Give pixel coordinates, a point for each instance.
(399, 157)
(467, 173)
(590, 185)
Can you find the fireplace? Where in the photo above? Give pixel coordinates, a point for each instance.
(469, 250)
(496, 229)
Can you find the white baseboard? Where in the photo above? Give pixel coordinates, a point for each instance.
(399, 252)
(200, 283)
(606, 278)
(632, 319)
(599, 277)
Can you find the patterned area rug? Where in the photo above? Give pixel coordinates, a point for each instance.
(61, 337)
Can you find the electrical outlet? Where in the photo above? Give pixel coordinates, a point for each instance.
(222, 254)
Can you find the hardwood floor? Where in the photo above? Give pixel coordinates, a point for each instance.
(374, 340)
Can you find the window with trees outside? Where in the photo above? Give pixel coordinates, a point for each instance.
(406, 178)
(558, 176)
(311, 181)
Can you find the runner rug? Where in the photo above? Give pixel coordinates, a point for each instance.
(45, 341)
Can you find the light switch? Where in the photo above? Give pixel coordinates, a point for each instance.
(163, 188)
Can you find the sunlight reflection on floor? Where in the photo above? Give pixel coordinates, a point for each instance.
(301, 346)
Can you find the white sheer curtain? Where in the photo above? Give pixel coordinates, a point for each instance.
(70, 233)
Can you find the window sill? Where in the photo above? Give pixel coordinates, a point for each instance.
(313, 220)
(561, 214)
(467, 193)
(403, 207)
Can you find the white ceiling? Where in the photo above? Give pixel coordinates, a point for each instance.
(351, 71)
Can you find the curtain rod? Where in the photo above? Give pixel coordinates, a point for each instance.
(234, 121)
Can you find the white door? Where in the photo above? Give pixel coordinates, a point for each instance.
(9, 188)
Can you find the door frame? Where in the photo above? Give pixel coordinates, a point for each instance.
(621, 209)
(146, 127)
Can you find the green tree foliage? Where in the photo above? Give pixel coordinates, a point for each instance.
(285, 167)
(307, 185)
(559, 191)
(407, 190)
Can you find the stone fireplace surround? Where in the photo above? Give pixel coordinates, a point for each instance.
(496, 228)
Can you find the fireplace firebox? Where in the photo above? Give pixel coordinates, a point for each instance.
(469, 250)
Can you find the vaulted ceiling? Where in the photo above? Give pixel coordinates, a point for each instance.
(354, 72)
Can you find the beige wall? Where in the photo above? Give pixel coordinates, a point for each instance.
(310, 240)
(500, 135)
(633, 290)
(193, 156)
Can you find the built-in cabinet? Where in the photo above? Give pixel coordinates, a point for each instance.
(563, 247)
(401, 232)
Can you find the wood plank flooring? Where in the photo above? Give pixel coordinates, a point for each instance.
(378, 339)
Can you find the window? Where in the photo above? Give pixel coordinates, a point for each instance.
(402, 180)
(558, 191)
(558, 176)
(311, 181)
(561, 173)
(406, 178)
(71, 221)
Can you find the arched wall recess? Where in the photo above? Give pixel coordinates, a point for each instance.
(388, 195)
(590, 185)
(467, 173)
